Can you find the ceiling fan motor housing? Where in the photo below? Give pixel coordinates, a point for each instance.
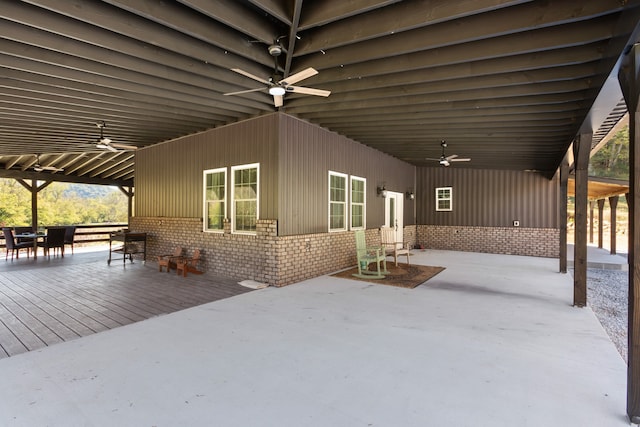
(275, 50)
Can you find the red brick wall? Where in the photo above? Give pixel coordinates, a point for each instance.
(539, 242)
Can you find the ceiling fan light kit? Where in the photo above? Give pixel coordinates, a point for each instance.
(277, 90)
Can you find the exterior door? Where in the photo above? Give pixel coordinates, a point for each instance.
(394, 213)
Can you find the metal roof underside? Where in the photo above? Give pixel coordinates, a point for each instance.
(506, 83)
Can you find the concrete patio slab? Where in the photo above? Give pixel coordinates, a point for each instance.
(491, 341)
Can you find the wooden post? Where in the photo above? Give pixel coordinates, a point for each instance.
(600, 224)
(582, 148)
(564, 192)
(629, 82)
(591, 204)
(613, 206)
(34, 189)
(129, 193)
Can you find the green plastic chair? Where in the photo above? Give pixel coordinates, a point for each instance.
(367, 255)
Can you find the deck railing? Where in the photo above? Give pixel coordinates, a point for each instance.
(90, 233)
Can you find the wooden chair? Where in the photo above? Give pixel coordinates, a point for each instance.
(170, 261)
(367, 255)
(190, 265)
(391, 246)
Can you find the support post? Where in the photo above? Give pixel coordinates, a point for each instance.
(600, 223)
(564, 193)
(591, 205)
(613, 206)
(629, 77)
(129, 193)
(582, 148)
(34, 189)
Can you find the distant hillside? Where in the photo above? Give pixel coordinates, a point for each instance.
(84, 191)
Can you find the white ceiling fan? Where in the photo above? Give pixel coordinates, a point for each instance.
(445, 160)
(38, 167)
(278, 86)
(105, 143)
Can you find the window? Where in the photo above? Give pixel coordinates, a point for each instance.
(358, 199)
(215, 195)
(444, 199)
(337, 201)
(244, 208)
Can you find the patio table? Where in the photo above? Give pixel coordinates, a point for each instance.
(35, 237)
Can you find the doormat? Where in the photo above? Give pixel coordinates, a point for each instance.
(403, 276)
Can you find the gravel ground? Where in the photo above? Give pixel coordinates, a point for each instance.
(607, 295)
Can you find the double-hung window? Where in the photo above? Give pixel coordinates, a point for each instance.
(444, 199)
(358, 199)
(215, 196)
(337, 201)
(244, 206)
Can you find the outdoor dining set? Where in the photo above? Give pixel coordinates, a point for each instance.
(25, 238)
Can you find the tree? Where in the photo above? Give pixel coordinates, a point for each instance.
(612, 160)
(62, 204)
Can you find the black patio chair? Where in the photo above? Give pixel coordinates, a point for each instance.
(69, 236)
(54, 240)
(12, 245)
(23, 230)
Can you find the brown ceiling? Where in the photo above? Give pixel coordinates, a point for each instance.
(507, 83)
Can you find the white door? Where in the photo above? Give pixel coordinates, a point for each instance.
(394, 213)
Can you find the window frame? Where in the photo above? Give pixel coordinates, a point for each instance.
(344, 203)
(205, 205)
(363, 204)
(448, 199)
(256, 166)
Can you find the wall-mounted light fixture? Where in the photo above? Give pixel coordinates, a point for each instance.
(382, 192)
(410, 195)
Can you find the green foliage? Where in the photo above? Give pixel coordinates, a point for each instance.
(62, 204)
(612, 160)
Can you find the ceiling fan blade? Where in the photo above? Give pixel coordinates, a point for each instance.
(123, 146)
(50, 168)
(431, 158)
(459, 160)
(277, 100)
(295, 78)
(243, 91)
(105, 146)
(308, 90)
(453, 156)
(251, 76)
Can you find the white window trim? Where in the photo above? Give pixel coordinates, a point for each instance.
(233, 190)
(364, 203)
(347, 191)
(450, 199)
(204, 198)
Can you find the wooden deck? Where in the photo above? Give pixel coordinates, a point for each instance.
(45, 302)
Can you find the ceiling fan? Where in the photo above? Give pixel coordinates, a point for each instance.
(105, 143)
(445, 160)
(278, 86)
(38, 167)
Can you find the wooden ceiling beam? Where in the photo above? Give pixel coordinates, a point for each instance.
(376, 24)
(517, 19)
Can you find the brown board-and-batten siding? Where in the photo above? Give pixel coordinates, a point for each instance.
(307, 154)
(169, 175)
